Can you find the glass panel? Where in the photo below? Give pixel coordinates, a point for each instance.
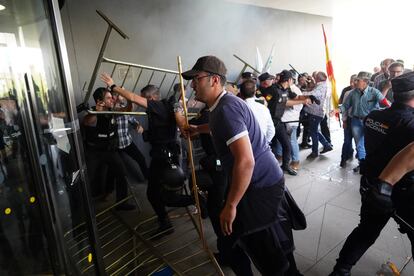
(42, 227)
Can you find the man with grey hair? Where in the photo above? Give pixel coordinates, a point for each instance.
(395, 69)
(387, 132)
(316, 113)
(384, 69)
(363, 99)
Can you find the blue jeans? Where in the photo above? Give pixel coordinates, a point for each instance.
(357, 126)
(293, 143)
(314, 122)
(347, 150)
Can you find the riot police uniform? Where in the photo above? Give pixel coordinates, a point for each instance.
(101, 144)
(386, 133)
(164, 172)
(277, 97)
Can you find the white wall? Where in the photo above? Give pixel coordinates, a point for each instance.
(162, 29)
(159, 30)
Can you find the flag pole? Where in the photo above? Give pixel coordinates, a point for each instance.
(330, 73)
(190, 155)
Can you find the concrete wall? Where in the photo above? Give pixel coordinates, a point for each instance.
(159, 30)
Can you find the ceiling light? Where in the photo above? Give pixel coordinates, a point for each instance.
(2, 7)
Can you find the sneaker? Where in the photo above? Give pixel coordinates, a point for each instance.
(305, 146)
(289, 170)
(165, 228)
(312, 156)
(294, 165)
(326, 149)
(343, 163)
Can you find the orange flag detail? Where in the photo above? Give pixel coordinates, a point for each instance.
(330, 72)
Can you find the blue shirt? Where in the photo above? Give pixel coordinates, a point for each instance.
(230, 120)
(362, 103)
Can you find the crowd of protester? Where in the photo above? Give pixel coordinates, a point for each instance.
(250, 139)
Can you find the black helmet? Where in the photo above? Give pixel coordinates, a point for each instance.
(172, 178)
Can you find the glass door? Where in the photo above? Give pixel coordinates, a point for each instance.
(47, 224)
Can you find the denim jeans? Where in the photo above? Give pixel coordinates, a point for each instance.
(316, 135)
(347, 150)
(357, 126)
(293, 143)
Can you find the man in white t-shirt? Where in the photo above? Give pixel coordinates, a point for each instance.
(260, 111)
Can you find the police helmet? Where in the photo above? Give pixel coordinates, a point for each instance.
(172, 178)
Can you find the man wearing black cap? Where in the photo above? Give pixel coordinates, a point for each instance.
(279, 96)
(255, 178)
(386, 133)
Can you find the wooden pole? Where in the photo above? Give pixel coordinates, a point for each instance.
(190, 154)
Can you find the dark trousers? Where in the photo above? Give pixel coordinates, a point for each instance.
(304, 120)
(325, 129)
(347, 150)
(284, 139)
(370, 227)
(157, 196)
(229, 253)
(133, 151)
(96, 161)
(314, 122)
(266, 252)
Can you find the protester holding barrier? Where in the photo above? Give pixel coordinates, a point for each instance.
(101, 135)
(166, 178)
(250, 214)
(386, 133)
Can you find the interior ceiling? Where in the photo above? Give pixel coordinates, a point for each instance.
(317, 7)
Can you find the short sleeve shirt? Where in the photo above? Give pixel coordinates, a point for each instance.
(230, 120)
(161, 122)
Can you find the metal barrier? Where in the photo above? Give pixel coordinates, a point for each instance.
(246, 65)
(127, 245)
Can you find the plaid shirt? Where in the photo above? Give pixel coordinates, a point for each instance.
(319, 92)
(124, 138)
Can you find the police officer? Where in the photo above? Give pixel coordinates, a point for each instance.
(101, 144)
(166, 178)
(278, 96)
(386, 133)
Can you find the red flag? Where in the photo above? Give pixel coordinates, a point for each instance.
(330, 72)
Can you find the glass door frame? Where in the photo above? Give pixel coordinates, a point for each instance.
(53, 230)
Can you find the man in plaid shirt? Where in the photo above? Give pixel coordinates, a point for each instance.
(125, 143)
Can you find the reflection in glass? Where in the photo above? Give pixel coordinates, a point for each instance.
(38, 162)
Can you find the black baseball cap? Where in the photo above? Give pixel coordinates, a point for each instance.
(249, 75)
(285, 75)
(403, 83)
(209, 64)
(266, 76)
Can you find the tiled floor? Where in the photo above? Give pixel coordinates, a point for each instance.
(330, 199)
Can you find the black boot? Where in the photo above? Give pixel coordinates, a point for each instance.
(165, 228)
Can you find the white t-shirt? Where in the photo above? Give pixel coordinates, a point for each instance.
(292, 112)
(262, 115)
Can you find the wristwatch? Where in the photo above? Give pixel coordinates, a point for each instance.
(111, 88)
